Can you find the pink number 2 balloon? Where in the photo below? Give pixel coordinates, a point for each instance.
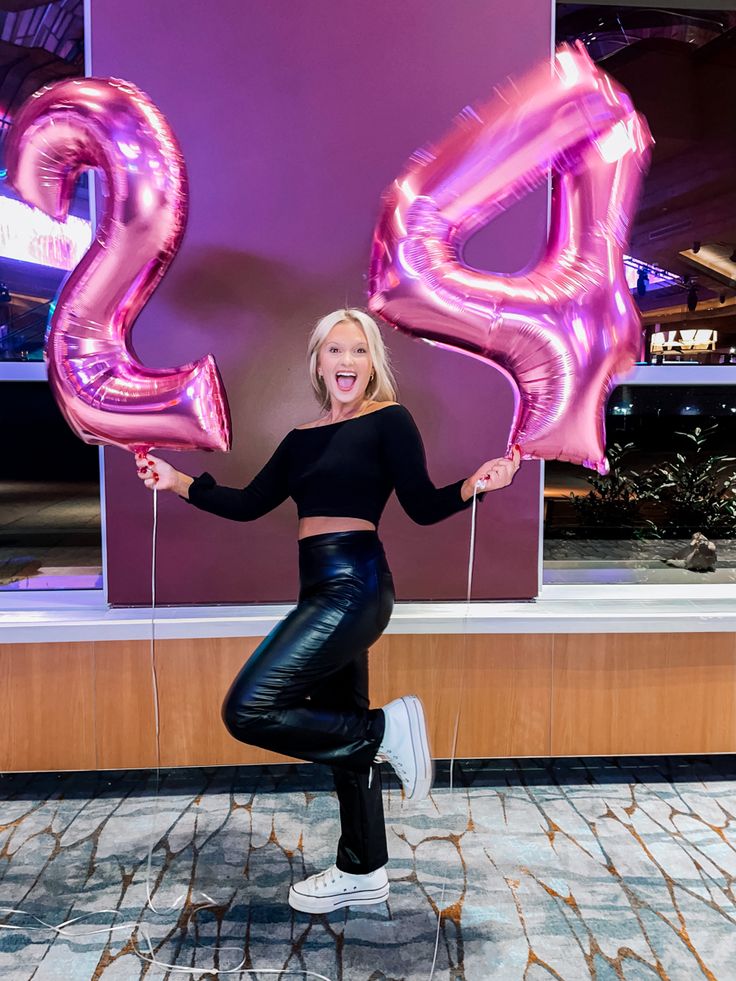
(564, 329)
(102, 388)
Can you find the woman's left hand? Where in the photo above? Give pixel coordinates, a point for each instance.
(493, 475)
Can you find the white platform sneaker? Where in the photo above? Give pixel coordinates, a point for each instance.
(405, 746)
(332, 889)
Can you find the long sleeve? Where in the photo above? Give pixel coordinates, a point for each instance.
(423, 502)
(267, 490)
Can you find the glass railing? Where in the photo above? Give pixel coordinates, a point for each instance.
(22, 336)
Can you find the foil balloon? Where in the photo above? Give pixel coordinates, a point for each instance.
(563, 330)
(106, 394)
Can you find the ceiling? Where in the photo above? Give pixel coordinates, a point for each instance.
(678, 64)
(680, 68)
(39, 43)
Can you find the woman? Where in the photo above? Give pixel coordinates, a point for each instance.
(304, 691)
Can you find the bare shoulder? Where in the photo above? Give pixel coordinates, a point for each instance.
(371, 407)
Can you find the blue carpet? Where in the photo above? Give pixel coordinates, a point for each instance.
(567, 869)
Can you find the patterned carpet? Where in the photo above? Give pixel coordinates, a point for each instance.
(567, 869)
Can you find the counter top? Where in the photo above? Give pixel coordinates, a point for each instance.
(60, 618)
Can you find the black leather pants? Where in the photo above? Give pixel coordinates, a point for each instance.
(304, 691)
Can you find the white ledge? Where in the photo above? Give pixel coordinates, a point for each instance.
(680, 374)
(559, 609)
(23, 371)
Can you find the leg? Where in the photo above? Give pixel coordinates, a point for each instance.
(362, 847)
(266, 705)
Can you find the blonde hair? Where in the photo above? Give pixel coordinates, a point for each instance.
(382, 388)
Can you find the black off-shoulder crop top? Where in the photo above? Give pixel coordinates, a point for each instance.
(343, 469)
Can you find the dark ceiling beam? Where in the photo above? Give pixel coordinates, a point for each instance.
(14, 6)
(24, 70)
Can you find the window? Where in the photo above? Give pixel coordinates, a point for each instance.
(673, 475)
(50, 530)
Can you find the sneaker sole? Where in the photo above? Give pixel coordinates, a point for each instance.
(420, 746)
(311, 904)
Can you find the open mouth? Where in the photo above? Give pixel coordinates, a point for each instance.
(346, 380)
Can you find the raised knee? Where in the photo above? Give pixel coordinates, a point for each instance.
(241, 717)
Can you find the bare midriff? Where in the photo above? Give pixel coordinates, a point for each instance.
(322, 525)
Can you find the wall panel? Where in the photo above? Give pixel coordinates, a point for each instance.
(194, 676)
(644, 693)
(89, 706)
(293, 118)
(500, 685)
(124, 710)
(50, 707)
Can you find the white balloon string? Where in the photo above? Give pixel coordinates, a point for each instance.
(180, 900)
(471, 562)
(150, 958)
(61, 929)
(156, 713)
(239, 969)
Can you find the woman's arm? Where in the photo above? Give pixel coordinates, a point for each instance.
(266, 491)
(418, 496)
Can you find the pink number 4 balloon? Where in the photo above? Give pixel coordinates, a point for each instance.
(102, 388)
(563, 330)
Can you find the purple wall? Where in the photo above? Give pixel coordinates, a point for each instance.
(293, 118)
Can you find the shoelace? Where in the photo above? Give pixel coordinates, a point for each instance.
(395, 763)
(328, 878)
(334, 877)
(387, 757)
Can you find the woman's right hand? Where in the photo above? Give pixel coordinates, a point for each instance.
(157, 473)
(493, 475)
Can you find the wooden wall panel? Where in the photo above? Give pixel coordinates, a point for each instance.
(6, 698)
(618, 694)
(499, 683)
(194, 676)
(124, 711)
(87, 706)
(49, 707)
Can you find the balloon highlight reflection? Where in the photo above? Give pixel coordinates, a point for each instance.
(563, 330)
(106, 394)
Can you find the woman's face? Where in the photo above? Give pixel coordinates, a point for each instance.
(344, 362)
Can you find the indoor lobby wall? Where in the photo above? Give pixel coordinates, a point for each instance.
(89, 706)
(293, 117)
